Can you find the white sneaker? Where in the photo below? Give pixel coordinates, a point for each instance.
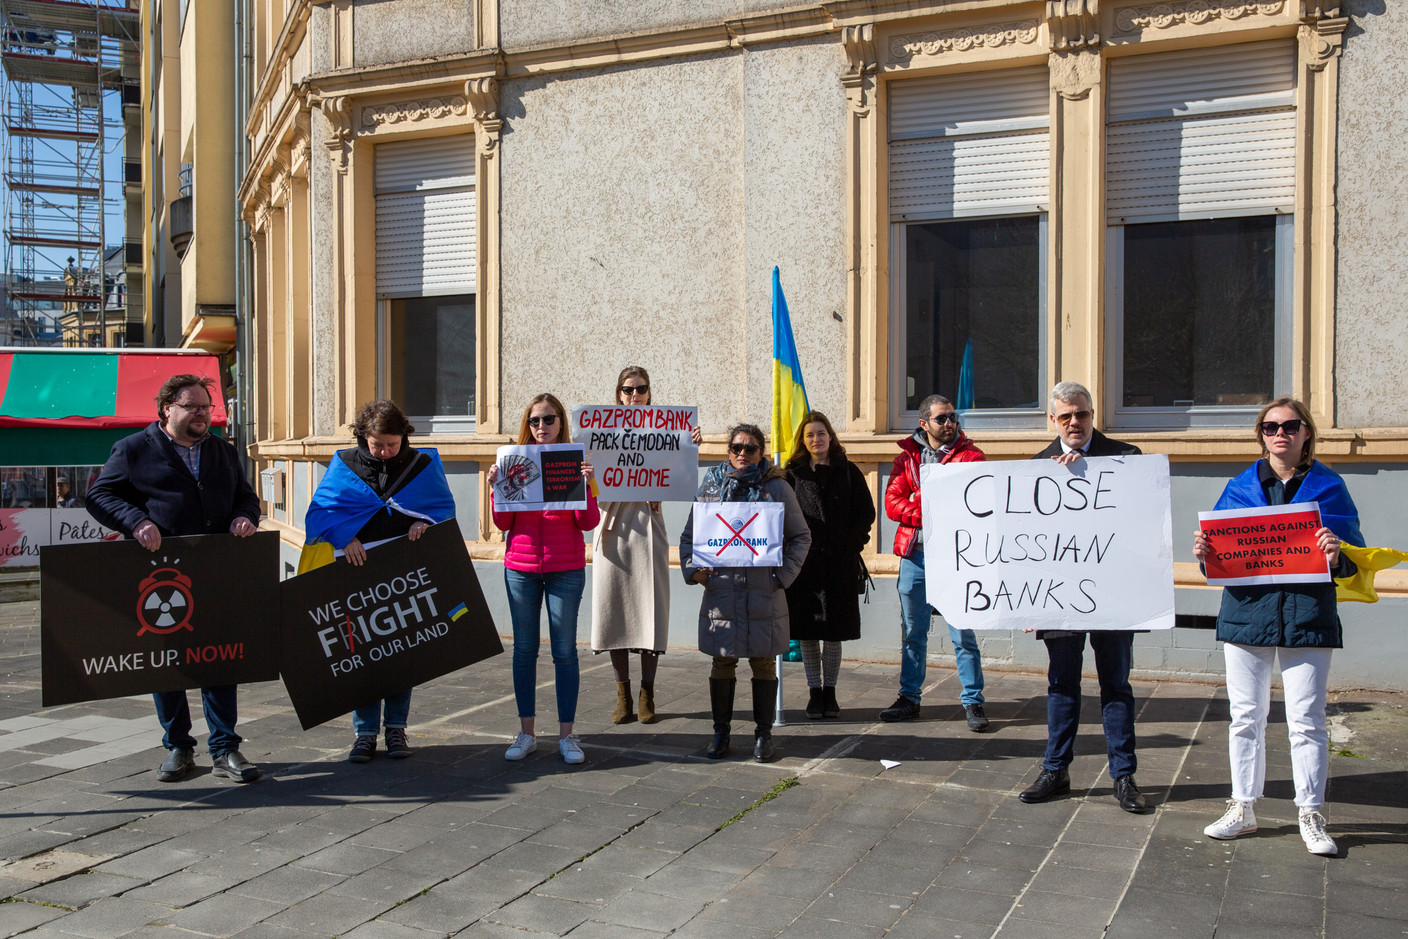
(1312, 832)
(522, 745)
(1239, 819)
(571, 748)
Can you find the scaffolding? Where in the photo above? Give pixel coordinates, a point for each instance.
(66, 88)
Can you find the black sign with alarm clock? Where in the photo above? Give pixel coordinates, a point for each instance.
(117, 619)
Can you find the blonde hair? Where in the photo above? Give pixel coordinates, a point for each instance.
(1307, 452)
(564, 435)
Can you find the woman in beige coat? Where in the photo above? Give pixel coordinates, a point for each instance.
(631, 580)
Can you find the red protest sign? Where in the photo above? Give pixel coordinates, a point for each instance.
(1270, 545)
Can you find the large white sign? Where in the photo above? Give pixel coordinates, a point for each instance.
(738, 534)
(1035, 544)
(641, 454)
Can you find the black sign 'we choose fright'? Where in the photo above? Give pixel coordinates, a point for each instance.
(412, 612)
(117, 619)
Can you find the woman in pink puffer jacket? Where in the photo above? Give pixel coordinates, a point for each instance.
(545, 561)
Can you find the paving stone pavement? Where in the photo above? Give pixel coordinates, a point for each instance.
(648, 838)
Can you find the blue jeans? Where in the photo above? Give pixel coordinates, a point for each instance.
(563, 592)
(914, 646)
(366, 720)
(1114, 652)
(221, 714)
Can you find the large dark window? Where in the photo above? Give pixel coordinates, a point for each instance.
(1199, 323)
(972, 295)
(430, 349)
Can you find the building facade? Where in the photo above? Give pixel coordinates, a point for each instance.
(1183, 205)
(189, 150)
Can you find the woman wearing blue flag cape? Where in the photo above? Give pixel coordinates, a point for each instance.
(1297, 623)
(377, 491)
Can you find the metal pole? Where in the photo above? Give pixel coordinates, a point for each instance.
(779, 719)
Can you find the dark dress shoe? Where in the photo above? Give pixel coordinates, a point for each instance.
(177, 766)
(233, 765)
(1051, 782)
(1129, 796)
(977, 719)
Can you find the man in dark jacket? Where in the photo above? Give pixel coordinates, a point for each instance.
(174, 478)
(1073, 414)
(939, 439)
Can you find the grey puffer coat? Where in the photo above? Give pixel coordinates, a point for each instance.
(744, 611)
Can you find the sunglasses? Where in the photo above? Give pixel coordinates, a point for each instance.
(547, 420)
(1291, 427)
(1079, 417)
(748, 448)
(940, 419)
(635, 389)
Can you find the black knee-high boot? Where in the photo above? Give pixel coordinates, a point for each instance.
(764, 708)
(721, 703)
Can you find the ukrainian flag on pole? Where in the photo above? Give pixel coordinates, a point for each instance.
(789, 394)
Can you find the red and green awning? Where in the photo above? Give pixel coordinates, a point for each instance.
(68, 406)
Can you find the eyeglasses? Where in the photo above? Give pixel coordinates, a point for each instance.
(1080, 417)
(1291, 427)
(748, 448)
(635, 389)
(940, 419)
(196, 408)
(547, 420)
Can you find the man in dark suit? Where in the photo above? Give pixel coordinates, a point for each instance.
(174, 478)
(1071, 411)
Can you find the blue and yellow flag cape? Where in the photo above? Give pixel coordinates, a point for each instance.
(1337, 512)
(789, 394)
(344, 503)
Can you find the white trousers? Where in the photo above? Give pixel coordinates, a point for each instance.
(1304, 673)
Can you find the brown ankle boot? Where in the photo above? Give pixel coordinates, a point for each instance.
(622, 714)
(646, 708)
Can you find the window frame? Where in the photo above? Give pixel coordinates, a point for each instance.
(424, 423)
(1195, 416)
(972, 418)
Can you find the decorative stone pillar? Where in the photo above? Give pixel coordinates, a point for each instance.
(483, 95)
(1320, 38)
(1076, 252)
(867, 352)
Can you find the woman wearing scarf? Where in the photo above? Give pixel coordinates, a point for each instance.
(377, 491)
(824, 601)
(1297, 623)
(744, 611)
(631, 580)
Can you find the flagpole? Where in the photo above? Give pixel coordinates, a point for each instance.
(779, 719)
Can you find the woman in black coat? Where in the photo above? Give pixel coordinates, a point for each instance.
(824, 600)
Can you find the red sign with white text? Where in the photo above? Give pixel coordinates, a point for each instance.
(1268, 545)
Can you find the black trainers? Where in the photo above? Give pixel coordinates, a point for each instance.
(363, 749)
(977, 720)
(902, 710)
(396, 746)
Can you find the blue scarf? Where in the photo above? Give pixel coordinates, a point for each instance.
(1321, 484)
(723, 483)
(344, 503)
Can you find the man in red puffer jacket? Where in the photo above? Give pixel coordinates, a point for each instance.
(939, 439)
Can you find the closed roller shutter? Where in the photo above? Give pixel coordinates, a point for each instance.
(1202, 133)
(971, 144)
(425, 217)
